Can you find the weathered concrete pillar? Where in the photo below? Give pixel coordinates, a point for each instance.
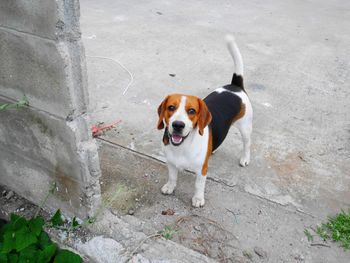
(42, 57)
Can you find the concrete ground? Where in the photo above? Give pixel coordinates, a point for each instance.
(296, 74)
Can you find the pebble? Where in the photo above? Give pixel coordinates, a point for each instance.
(198, 228)
(260, 252)
(9, 195)
(299, 257)
(131, 212)
(21, 209)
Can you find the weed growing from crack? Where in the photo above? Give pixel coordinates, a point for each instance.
(337, 228)
(57, 222)
(167, 232)
(247, 254)
(307, 233)
(120, 189)
(20, 104)
(49, 193)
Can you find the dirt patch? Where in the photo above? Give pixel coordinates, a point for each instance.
(208, 238)
(138, 181)
(291, 169)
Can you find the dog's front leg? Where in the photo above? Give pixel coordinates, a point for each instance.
(169, 187)
(198, 198)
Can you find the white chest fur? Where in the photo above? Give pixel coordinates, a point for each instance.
(191, 153)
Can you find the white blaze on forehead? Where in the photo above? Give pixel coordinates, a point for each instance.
(181, 115)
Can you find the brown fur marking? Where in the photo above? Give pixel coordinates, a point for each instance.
(163, 113)
(240, 113)
(166, 137)
(209, 151)
(204, 116)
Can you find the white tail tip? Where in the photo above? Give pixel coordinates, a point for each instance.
(236, 55)
(230, 38)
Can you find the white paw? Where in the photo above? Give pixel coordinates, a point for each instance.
(198, 201)
(168, 189)
(244, 161)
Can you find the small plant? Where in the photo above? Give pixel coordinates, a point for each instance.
(307, 233)
(167, 232)
(20, 104)
(24, 240)
(247, 254)
(337, 228)
(56, 220)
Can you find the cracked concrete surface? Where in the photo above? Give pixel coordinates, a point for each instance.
(296, 62)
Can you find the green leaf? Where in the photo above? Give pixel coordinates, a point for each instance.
(322, 232)
(56, 220)
(3, 107)
(36, 225)
(7, 227)
(28, 254)
(2, 232)
(17, 222)
(24, 238)
(167, 232)
(9, 242)
(337, 228)
(52, 188)
(12, 258)
(46, 255)
(44, 240)
(66, 256)
(3, 258)
(310, 238)
(75, 223)
(2, 223)
(23, 102)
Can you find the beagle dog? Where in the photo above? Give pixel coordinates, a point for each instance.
(195, 128)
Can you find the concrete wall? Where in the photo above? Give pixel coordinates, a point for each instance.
(42, 57)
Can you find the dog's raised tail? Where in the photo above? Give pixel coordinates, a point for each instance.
(237, 78)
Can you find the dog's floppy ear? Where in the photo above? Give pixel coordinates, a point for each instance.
(204, 117)
(161, 111)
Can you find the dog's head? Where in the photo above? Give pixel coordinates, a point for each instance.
(182, 114)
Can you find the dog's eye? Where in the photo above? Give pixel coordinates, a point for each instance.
(171, 108)
(191, 111)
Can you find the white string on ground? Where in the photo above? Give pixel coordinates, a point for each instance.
(121, 65)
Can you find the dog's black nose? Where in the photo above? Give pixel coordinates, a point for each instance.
(178, 125)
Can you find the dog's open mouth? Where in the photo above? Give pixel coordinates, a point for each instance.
(176, 139)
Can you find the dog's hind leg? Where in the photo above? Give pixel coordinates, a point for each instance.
(246, 131)
(244, 126)
(169, 187)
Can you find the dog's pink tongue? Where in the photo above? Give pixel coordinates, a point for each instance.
(176, 138)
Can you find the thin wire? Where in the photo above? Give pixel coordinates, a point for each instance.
(120, 64)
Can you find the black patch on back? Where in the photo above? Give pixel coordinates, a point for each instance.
(233, 88)
(237, 80)
(223, 107)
